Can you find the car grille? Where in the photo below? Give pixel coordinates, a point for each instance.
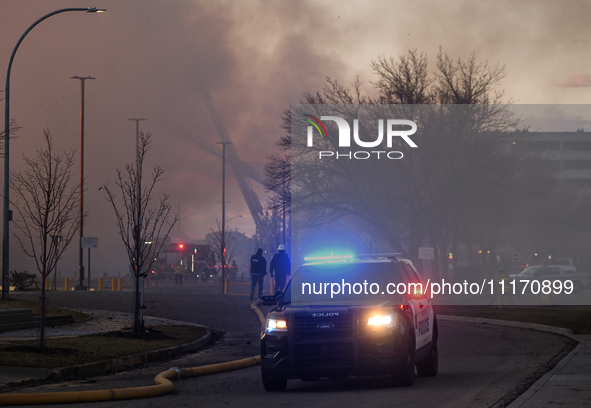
(333, 355)
(309, 328)
(323, 342)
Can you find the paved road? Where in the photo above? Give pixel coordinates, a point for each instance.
(480, 366)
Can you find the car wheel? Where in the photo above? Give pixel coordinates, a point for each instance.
(406, 375)
(429, 366)
(273, 384)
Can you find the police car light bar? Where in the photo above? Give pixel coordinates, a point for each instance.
(381, 255)
(329, 258)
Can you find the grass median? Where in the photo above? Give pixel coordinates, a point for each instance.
(68, 351)
(576, 318)
(36, 309)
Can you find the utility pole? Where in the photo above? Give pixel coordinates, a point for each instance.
(223, 246)
(80, 250)
(137, 140)
(55, 240)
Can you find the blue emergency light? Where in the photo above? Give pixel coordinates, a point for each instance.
(331, 257)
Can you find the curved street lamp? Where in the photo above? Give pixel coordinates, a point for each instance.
(236, 216)
(6, 212)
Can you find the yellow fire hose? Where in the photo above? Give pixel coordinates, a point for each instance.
(255, 308)
(162, 382)
(163, 385)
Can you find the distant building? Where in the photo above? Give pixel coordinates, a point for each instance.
(568, 153)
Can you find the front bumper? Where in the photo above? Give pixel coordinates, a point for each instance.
(284, 356)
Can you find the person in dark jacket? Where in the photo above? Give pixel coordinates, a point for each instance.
(258, 270)
(178, 275)
(280, 268)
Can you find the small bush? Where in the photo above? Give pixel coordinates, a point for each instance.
(22, 280)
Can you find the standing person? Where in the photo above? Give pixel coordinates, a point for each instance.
(258, 270)
(178, 275)
(280, 268)
(233, 269)
(204, 273)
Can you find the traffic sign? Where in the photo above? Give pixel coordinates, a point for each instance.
(89, 242)
(426, 253)
(516, 257)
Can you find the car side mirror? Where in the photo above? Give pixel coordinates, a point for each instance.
(272, 300)
(418, 294)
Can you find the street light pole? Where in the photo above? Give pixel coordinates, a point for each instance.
(223, 246)
(236, 216)
(55, 240)
(137, 142)
(80, 285)
(6, 211)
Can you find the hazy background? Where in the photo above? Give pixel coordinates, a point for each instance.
(150, 58)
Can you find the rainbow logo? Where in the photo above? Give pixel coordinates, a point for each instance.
(316, 123)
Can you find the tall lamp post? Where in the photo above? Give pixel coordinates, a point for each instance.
(81, 285)
(223, 246)
(137, 143)
(236, 216)
(6, 212)
(227, 222)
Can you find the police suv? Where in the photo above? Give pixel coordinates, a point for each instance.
(389, 331)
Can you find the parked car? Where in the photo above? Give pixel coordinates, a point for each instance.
(552, 273)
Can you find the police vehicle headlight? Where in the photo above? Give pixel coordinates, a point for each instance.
(381, 321)
(276, 325)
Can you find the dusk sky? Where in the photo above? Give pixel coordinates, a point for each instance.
(150, 58)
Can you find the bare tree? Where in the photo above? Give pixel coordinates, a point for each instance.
(46, 204)
(278, 183)
(143, 228)
(406, 81)
(214, 240)
(460, 176)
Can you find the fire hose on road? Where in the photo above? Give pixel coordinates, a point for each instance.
(162, 382)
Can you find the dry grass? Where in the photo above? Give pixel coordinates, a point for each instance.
(576, 318)
(63, 352)
(36, 309)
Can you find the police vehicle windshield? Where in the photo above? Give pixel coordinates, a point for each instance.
(370, 282)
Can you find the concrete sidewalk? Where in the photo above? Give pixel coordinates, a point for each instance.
(101, 322)
(568, 384)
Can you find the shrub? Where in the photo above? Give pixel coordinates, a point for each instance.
(22, 280)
